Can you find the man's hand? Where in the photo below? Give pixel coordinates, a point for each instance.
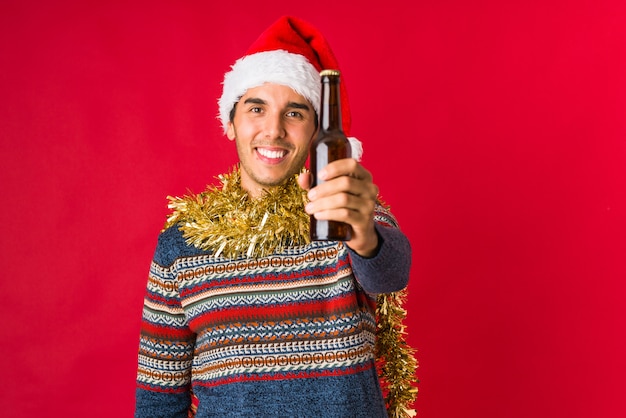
(347, 195)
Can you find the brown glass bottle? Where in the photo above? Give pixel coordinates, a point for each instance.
(331, 144)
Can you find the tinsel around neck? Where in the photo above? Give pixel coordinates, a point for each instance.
(228, 222)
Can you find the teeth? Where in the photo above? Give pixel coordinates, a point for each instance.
(271, 154)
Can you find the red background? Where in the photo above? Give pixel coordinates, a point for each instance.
(495, 130)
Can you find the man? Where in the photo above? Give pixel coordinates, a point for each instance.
(242, 313)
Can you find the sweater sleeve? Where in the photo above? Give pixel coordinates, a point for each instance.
(388, 270)
(166, 343)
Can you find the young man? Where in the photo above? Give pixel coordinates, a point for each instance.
(241, 310)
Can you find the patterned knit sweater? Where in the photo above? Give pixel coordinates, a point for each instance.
(287, 335)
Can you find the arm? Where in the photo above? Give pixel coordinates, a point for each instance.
(388, 270)
(380, 252)
(166, 344)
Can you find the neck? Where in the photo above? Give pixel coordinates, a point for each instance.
(254, 189)
(256, 193)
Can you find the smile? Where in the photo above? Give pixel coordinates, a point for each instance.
(271, 154)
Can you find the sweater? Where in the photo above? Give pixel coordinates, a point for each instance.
(287, 335)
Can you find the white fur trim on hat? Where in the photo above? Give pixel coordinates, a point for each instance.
(356, 148)
(277, 66)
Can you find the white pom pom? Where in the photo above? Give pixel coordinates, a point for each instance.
(357, 148)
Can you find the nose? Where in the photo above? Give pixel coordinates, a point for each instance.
(274, 126)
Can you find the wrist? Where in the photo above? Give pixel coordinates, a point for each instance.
(370, 246)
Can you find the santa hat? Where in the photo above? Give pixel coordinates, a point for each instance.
(290, 52)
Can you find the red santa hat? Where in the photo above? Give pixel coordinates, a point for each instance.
(290, 52)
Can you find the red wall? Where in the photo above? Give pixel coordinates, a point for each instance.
(496, 132)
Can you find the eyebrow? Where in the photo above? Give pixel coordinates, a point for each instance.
(290, 105)
(254, 100)
(297, 105)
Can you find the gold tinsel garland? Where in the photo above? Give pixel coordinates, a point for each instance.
(396, 359)
(228, 222)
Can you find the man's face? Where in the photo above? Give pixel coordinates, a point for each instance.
(273, 127)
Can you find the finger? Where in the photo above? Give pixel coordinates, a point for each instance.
(304, 180)
(345, 184)
(358, 220)
(339, 201)
(345, 167)
(338, 214)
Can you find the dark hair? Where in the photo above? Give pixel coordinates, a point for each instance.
(231, 115)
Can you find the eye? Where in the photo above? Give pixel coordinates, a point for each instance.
(255, 109)
(294, 114)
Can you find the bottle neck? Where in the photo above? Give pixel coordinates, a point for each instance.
(330, 111)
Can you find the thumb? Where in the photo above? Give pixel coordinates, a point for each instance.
(304, 180)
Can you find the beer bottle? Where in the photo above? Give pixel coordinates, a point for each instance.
(331, 144)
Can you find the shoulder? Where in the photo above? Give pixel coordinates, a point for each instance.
(171, 245)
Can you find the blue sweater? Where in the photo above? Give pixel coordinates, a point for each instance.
(291, 334)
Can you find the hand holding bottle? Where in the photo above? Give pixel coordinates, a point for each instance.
(347, 195)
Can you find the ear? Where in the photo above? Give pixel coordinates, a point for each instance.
(317, 131)
(230, 131)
